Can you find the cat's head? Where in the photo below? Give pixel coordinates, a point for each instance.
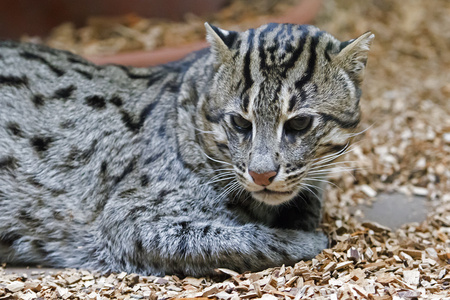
(283, 98)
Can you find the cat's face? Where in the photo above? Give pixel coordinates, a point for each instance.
(285, 97)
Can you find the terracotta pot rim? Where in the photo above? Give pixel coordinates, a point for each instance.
(302, 13)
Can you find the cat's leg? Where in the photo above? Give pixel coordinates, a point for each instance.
(145, 243)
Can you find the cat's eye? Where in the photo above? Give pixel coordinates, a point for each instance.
(298, 124)
(241, 123)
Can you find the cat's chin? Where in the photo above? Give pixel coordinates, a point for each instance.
(273, 197)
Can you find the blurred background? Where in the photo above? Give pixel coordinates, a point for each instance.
(40, 17)
(105, 27)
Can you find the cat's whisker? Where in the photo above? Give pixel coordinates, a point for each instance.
(323, 170)
(219, 180)
(217, 160)
(307, 187)
(232, 190)
(350, 135)
(204, 131)
(224, 169)
(216, 181)
(332, 164)
(322, 180)
(200, 130)
(313, 186)
(239, 193)
(218, 197)
(322, 175)
(229, 187)
(333, 171)
(332, 154)
(331, 158)
(223, 174)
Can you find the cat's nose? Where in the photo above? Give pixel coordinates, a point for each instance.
(263, 179)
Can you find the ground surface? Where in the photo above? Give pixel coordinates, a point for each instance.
(402, 159)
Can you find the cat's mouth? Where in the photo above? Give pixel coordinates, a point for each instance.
(267, 191)
(272, 197)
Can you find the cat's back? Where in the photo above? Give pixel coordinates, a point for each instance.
(71, 130)
(41, 79)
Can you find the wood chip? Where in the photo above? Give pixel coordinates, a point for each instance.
(228, 272)
(223, 295)
(353, 254)
(268, 297)
(273, 282)
(386, 278)
(197, 282)
(257, 289)
(73, 279)
(360, 292)
(370, 192)
(249, 295)
(255, 277)
(121, 276)
(375, 226)
(210, 291)
(330, 266)
(420, 191)
(416, 254)
(15, 286)
(161, 281)
(411, 277)
(291, 281)
(343, 265)
(375, 266)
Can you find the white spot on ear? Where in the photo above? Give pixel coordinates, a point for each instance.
(224, 32)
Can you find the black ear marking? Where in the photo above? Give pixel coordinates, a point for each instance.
(221, 41)
(227, 37)
(345, 44)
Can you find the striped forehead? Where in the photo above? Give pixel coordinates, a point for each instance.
(278, 54)
(280, 46)
(267, 103)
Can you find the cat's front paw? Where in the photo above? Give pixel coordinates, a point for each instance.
(323, 241)
(311, 244)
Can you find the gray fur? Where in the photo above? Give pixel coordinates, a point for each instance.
(115, 169)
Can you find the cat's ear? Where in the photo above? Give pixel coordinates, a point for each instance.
(221, 41)
(353, 55)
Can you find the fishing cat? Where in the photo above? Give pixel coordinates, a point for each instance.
(212, 161)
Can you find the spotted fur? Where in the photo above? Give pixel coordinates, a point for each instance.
(148, 170)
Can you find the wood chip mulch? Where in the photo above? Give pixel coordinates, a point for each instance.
(404, 148)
